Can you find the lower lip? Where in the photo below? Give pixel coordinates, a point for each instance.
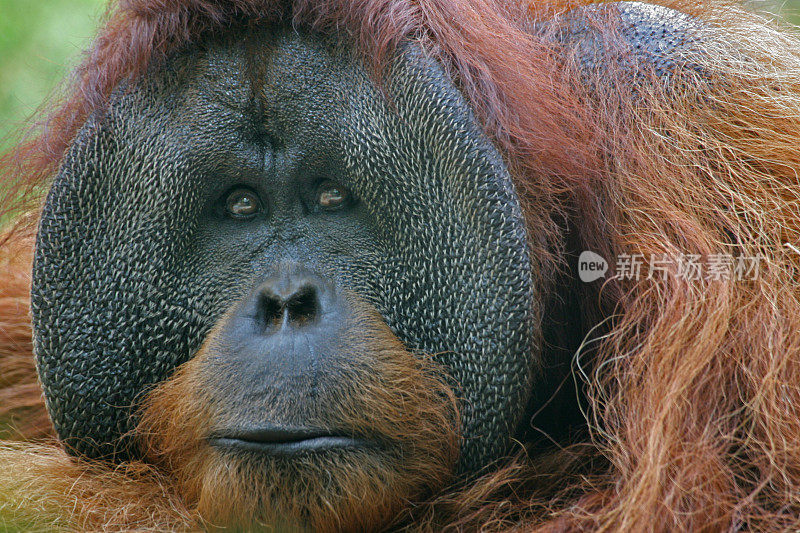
(289, 448)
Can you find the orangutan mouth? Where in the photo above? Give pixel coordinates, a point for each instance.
(283, 440)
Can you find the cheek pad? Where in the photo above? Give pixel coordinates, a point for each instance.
(119, 299)
(109, 317)
(458, 274)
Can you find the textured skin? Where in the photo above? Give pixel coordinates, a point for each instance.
(657, 37)
(134, 266)
(662, 37)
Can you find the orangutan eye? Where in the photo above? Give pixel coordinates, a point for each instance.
(331, 195)
(242, 203)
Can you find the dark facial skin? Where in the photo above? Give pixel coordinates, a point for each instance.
(267, 174)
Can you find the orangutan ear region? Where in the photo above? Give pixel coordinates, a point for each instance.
(407, 266)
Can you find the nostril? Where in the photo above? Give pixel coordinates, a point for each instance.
(286, 301)
(303, 305)
(270, 310)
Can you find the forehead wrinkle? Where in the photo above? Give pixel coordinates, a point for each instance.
(300, 81)
(226, 76)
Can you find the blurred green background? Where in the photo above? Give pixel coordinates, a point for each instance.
(40, 40)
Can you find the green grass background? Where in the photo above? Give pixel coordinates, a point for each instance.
(41, 40)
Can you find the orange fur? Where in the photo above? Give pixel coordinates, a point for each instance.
(47, 490)
(21, 402)
(693, 390)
